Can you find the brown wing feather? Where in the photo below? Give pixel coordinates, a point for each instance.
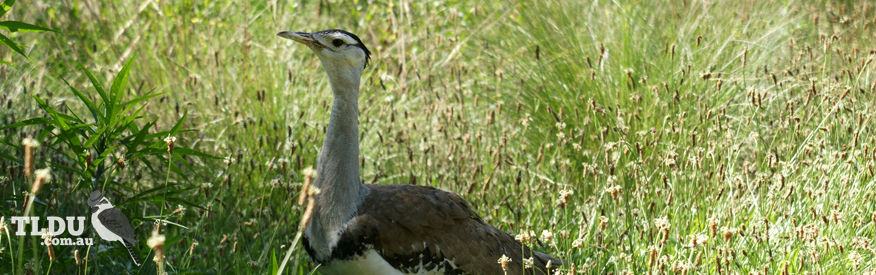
(407, 223)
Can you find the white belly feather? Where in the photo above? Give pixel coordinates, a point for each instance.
(370, 262)
(102, 231)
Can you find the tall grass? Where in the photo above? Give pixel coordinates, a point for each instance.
(624, 136)
(704, 137)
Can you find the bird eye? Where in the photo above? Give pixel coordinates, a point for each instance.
(337, 42)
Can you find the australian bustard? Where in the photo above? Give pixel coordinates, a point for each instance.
(390, 229)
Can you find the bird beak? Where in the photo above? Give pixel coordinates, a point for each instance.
(300, 37)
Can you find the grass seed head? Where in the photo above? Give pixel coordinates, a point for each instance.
(578, 243)
(546, 236)
(156, 243)
(170, 141)
(662, 223)
(504, 260)
(854, 258)
(43, 176)
(48, 243)
(564, 197)
(713, 227)
(697, 240)
(29, 145)
(525, 236)
(120, 160)
(614, 190)
(727, 233)
(192, 248)
(528, 262)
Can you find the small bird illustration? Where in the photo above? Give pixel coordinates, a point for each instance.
(111, 224)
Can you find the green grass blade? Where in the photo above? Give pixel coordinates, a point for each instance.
(120, 81)
(58, 119)
(179, 200)
(94, 137)
(11, 44)
(32, 121)
(9, 157)
(178, 124)
(139, 137)
(99, 87)
(109, 151)
(15, 26)
(140, 99)
(164, 134)
(274, 266)
(6, 6)
(88, 103)
(62, 166)
(127, 124)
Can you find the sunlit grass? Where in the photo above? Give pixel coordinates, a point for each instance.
(728, 137)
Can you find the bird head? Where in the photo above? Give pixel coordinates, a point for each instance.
(97, 201)
(343, 55)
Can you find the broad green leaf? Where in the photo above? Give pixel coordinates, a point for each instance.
(178, 123)
(11, 44)
(140, 136)
(58, 119)
(127, 124)
(73, 133)
(105, 154)
(120, 81)
(32, 121)
(46, 132)
(14, 26)
(72, 117)
(142, 98)
(95, 136)
(99, 87)
(88, 103)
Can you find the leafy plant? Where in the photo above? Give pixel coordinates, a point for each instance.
(111, 133)
(15, 26)
(110, 136)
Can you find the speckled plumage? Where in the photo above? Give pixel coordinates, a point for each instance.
(418, 228)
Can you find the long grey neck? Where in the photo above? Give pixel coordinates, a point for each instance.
(338, 180)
